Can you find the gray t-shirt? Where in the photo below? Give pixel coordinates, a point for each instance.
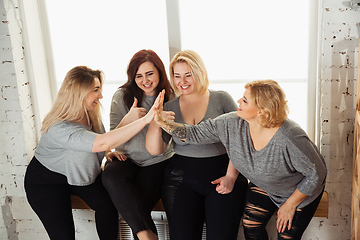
(220, 102)
(66, 149)
(289, 161)
(135, 148)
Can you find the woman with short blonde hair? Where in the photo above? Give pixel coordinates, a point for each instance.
(188, 196)
(196, 67)
(286, 170)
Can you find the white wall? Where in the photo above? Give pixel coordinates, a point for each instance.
(337, 70)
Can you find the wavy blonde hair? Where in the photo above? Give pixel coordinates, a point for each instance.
(270, 99)
(197, 69)
(70, 101)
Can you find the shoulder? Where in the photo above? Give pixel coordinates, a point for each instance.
(171, 103)
(219, 94)
(119, 94)
(228, 117)
(291, 129)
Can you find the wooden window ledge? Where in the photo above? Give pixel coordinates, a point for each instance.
(322, 210)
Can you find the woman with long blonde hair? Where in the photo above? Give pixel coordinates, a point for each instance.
(68, 157)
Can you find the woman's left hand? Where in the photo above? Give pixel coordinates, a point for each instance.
(109, 156)
(285, 216)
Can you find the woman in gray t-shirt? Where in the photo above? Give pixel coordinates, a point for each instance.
(134, 185)
(68, 157)
(189, 197)
(286, 171)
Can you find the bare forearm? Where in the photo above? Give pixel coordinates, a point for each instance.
(232, 172)
(118, 136)
(296, 198)
(154, 142)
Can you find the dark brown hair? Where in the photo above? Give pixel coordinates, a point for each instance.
(132, 90)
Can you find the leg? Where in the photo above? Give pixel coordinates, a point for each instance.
(188, 215)
(224, 212)
(49, 196)
(184, 206)
(301, 220)
(118, 178)
(106, 215)
(149, 181)
(258, 210)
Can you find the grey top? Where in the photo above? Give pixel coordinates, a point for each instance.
(289, 161)
(66, 149)
(220, 102)
(135, 148)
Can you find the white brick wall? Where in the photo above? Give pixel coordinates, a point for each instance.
(339, 49)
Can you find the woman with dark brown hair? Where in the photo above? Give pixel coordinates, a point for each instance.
(134, 185)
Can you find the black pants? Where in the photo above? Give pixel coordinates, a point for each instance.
(190, 199)
(259, 209)
(134, 190)
(49, 196)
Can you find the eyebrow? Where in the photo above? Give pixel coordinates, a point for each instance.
(179, 73)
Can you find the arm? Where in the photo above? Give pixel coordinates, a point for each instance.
(154, 142)
(287, 210)
(121, 135)
(133, 114)
(175, 129)
(226, 183)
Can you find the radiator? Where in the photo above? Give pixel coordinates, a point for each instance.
(161, 224)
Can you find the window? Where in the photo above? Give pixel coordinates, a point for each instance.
(239, 41)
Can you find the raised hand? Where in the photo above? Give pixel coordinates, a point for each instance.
(135, 112)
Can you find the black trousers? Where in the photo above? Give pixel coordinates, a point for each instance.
(49, 196)
(190, 199)
(259, 209)
(134, 190)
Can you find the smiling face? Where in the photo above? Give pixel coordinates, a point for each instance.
(92, 98)
(147, 78)
(247, 110)
(183, 79)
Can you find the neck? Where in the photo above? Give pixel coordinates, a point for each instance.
(194, 97)
(85, 121)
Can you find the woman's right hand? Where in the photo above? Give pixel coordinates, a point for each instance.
(135, 112)
(154, 110)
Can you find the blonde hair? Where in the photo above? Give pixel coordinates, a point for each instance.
(197, 69)
(271, 100)
(70, 101)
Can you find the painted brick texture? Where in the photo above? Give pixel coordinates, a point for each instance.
(340, 30)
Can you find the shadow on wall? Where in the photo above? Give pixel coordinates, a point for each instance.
(9, 220)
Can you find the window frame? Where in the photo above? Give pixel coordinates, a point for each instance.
(40, 62)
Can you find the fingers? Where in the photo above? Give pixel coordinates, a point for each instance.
(216, 181)
(135, 103)
(281, 224)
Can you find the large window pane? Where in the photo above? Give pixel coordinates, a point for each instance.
(241, 41)
(105, 35)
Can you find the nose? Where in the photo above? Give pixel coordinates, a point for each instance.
(101, 96)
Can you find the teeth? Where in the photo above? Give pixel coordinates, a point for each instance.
(185, 87)
(147, 85)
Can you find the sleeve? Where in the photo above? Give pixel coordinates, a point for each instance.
(307, 160)
(117, 109)
(205, 132)
(229, 105)
(72, 136)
